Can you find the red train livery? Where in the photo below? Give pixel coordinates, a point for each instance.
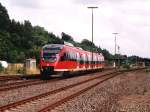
(65, 58)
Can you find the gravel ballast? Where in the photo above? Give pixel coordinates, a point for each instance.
(36, 105)
(26, 92)
(119, 94)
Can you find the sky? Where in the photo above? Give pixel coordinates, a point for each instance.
(129, 18)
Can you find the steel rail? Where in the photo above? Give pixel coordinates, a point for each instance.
(21, 102)
(58, 103)
(61, 101)
(24, 84)
(7, 78)
(17, 85)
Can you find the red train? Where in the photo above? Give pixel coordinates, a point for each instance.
(65, 58)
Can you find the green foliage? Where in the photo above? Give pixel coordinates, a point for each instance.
(87, 45)
(66, 37)
(1, 68)
(4, 19)
(5, 45)
(19, 41)
(147, 69)
(40, 36)
(107, 55)
(126, 66)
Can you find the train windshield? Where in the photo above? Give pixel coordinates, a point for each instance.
(51, 54)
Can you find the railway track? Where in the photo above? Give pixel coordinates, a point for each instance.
(76, 88)
(27, 83)
(8, 78)
(16, 85)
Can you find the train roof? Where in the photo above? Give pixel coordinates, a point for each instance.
(63, 45)
(53, 45)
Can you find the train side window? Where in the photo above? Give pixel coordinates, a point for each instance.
(89, 59)
(98, 60)
(74, 56)
(64, 57)
(77, 57)
(94, 59)
(82, 59)
(86, 59)
(68, 56)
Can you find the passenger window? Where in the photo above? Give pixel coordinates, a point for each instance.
(64, 57)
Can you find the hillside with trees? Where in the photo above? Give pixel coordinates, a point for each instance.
(22, 40)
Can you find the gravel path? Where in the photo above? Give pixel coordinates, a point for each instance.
(114, 95)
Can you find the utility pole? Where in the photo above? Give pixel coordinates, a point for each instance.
(118, 56)
(92, 30)
(115, 49)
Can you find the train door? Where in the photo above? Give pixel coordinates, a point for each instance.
(78, 60)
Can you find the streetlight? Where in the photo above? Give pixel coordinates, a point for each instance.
(115, 47)
(92, 29)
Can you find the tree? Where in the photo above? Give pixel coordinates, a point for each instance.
(5, 46)
(4, 19)
(88, 45)
(87, 42)
(40, 36)
(54, 40)
(107, 55)
(66, 37)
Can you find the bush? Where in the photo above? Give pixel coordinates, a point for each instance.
(20, 71)
(147, 70)
(126, 66)
(1, 68)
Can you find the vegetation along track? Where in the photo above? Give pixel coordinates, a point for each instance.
(34, 100)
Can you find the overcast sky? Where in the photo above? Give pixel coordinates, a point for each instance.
(130, 18)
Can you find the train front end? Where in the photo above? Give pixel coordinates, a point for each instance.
(49, 58)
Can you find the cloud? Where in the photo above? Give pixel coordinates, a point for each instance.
(25, 3)
(129, 18)
(85, 2)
